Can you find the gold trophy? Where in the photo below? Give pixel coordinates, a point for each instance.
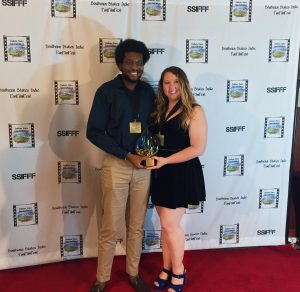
(147, 145)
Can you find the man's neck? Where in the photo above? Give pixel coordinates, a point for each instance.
(129, 85)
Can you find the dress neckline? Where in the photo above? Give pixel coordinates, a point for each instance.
(172, 117)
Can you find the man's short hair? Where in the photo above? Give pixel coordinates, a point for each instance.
(131, 45)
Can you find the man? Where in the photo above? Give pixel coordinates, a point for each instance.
(119, 114)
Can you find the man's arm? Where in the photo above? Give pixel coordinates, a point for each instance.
(97, 124)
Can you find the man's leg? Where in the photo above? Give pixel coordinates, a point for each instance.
(135, 217)
(115, 186)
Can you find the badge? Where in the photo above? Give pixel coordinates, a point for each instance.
(135, 127)
(161, 139)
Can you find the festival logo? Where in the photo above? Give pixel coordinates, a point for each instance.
(192, 209)
(67, 133)
(237, 90)
(197, 8)
(266, 232)
(240, 11)
(233, 165)
(66, 92)
(21, 136)
(268, 198)
(69, 172)
(279, 50)
(14, 3)
(63, 8)
(154, 10)
(71, 246)
(25, 214)
(151, 240)
(156, 51)
(229, 234)
(107, 49)
(23, 176)
(17, 49)
(274, 127)
(276, 89)
(235, 129)
(196, 51)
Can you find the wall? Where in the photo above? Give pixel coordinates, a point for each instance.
(240, 57)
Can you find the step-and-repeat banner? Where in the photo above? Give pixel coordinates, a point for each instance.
(241, 58)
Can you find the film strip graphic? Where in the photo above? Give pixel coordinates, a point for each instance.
(65, 9)
(25, 53)
(70, 174)
(274, 132)
(269, 198)
(204, 42)
(12, 143)
(28, 216)
(107, 48)
(240, 168)
(229, 234)
(71, 245)
(162, 10)
(152, 240)
(193, 209)
(66, 100)
(242, 18)
(287, 55)
(244, 94)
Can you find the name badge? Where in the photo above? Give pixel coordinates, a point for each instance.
(135, 127)
(161, 139)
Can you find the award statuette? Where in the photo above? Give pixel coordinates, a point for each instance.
(147, 145)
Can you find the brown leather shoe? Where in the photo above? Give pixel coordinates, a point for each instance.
(98, 287)
(138, 284)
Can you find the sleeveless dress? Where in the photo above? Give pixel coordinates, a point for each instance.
(181, 184)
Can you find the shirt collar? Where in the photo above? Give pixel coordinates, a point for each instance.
(119, 83)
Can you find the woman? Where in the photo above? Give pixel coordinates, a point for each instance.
(177, 180)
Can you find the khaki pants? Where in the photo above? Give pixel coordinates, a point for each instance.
(125, 196)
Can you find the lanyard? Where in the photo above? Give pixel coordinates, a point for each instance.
(135, 102)
(164, 118)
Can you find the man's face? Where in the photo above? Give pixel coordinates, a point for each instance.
(132, 67)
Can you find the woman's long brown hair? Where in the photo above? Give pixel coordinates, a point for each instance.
(187, 99)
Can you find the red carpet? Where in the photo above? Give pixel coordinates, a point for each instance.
(274, 268)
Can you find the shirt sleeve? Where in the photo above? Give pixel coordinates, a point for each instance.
(97, 124)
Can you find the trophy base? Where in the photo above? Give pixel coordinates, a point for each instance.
(150, 162)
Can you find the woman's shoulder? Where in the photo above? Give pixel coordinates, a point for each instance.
(196, 107)
(197, 110)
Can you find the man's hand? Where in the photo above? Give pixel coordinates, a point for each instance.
(136, 160)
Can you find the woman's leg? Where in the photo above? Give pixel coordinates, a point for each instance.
(167, 264)
(173, 239)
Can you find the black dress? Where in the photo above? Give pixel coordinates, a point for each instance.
(180, 184)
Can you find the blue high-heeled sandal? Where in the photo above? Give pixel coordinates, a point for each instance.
(178, 287)
(162, 283)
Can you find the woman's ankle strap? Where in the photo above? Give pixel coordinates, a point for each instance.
(181, 276)
(166, 271)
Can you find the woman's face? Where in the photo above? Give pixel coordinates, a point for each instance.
(171, 87)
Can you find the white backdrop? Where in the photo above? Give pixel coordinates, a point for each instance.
(241, 58)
